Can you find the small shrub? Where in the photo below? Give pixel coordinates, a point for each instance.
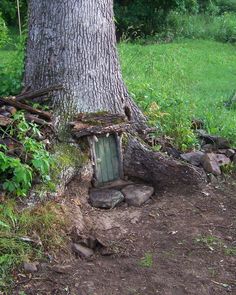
(16, 174)
(3, 32)
(11, 70)
(202, 26)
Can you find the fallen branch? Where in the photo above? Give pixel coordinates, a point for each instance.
(37, 93)
(34, 119)
(21, 106)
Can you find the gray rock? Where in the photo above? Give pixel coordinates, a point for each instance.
(216, 141)
(30, 267)
(136, 195)
(82, 251)
(193, 158)
(222, 160)
(208, 148)
(212, 163)
(105, 198)
(230, 153)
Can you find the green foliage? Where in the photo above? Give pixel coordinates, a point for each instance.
(186, 79)
(16, 174)
(165, 20)
(220, 28)
(3, 32)
(45, 221)
(11, 68)
(147, 260)
(9, 11)
(215, 243)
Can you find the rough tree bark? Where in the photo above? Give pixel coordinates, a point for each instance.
(73, 43)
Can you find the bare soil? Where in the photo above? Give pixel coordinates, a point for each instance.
(175, 244)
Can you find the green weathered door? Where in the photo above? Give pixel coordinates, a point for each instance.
(107, 159)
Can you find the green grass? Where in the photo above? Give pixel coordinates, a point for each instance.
(45, 221)
(6, 56)
(187, 79)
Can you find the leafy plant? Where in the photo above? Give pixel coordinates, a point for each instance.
(3, 32)
(17, 174)
(11, 67)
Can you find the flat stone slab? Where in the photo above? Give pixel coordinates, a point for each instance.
(105, 198)
(137, 194)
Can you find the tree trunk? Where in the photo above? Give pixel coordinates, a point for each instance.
(73, 43)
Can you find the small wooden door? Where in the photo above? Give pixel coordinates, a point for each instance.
(107, 159)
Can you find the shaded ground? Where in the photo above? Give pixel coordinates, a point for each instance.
(174, 245)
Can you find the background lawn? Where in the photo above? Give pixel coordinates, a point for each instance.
(187, 79)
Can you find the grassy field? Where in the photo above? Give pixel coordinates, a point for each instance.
(186, 79)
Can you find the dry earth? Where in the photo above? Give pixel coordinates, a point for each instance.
(175, 244)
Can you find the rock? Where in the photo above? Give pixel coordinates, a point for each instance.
(217, 141)
(173, 152)
(30, 267)
(208, 148)
(222, 160)
(212, 163)
(105, 198)
(136, 195)
(193, 158)
(82, 251)
(222, 143)
(228, 152)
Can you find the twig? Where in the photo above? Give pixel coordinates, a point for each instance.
(38, 93)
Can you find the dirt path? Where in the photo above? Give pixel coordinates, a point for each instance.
(174, 245)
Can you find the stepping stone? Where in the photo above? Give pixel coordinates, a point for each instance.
(105, 198)
(136, 195)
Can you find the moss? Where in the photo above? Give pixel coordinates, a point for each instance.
(99, 118)
(125, 139)
(65, 156)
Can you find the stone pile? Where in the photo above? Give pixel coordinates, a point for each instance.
(215, 154)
